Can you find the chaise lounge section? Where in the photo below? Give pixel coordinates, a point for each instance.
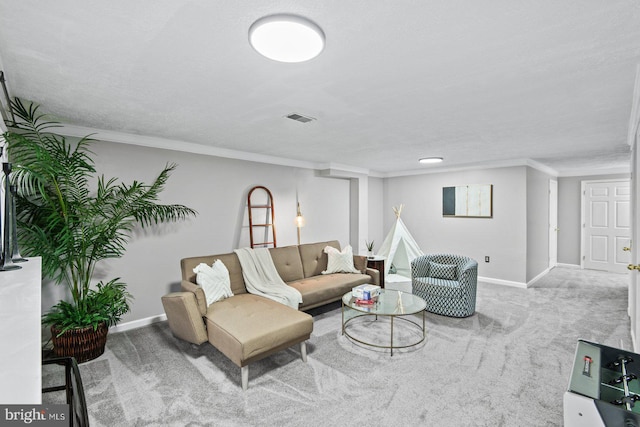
(247, 327)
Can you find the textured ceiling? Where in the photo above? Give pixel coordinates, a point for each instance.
(478, 83)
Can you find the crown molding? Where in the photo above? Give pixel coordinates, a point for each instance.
(474, 166)
(336, 169)
(542, 168)
(595, 172)
(177, 145)
(327, 169)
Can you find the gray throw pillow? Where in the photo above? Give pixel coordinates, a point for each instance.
(442, 271)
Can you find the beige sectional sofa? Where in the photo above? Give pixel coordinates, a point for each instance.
(247, 327)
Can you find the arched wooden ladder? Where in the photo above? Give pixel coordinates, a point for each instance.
(267, 225)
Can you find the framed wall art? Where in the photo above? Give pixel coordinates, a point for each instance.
(470, 201)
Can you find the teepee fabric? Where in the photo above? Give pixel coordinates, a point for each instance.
(399, 247)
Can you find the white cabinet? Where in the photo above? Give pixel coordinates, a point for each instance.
(20, 334)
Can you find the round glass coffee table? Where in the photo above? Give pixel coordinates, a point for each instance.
(392, 304)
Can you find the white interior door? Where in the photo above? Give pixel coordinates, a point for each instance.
(553, 223)
(606, 225)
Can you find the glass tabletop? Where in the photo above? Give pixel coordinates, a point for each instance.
(389, 303)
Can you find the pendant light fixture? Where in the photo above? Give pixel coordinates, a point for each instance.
(286, 38)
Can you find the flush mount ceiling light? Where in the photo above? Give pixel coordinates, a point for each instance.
(429, 160)
(286, 38)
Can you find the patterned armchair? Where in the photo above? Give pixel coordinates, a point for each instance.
(446, 282)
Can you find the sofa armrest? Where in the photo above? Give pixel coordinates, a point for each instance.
(184, 317)
(375, 276)
(360, 262)
(201, 298)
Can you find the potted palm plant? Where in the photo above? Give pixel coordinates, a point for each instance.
(74, 219)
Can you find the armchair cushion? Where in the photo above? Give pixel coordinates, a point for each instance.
(443, 271)
(440, 287)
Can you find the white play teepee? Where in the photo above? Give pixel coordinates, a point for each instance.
(399, 248)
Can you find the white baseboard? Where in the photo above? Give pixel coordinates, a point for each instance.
(521, 284)
(138, 323)
(538, 277)
(502, 282)
(162, 317)
(575, 266)
(126, 326)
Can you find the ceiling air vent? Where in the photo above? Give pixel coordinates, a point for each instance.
(299, 118)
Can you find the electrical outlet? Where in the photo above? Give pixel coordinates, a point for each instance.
(486, 259)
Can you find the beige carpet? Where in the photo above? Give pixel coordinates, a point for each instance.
(507, 365)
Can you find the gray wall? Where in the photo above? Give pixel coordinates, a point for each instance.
(569, 215)
(217, 189)
(503, 237)
(515, 238)
(376, 212)
(537, 222)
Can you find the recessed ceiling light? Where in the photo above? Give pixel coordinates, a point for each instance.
(286, 38)
(428, 160)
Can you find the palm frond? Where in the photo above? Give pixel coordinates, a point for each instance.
(68, 220)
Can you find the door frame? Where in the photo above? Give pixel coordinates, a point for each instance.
(553, 213)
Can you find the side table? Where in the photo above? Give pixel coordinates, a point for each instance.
(377, 262)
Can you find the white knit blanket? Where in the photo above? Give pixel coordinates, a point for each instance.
(262, 278)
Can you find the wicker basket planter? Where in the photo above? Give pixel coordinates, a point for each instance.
(82, 343)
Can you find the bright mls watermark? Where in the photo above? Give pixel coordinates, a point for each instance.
(35, 415)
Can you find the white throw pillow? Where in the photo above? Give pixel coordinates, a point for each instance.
(214, 281)
(340, 262)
